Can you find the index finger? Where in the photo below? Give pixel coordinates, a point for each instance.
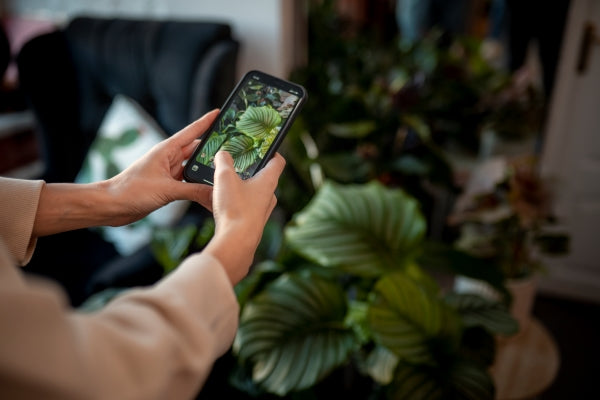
(195, 129)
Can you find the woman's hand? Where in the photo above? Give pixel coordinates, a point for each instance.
(156, 179)
(241, 209)
(151, 182)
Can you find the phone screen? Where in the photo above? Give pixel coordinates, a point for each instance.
(250, 125)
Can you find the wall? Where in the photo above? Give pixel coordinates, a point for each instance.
(270, 31)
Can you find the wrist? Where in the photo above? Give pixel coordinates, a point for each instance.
(234, 250)
(68, 206)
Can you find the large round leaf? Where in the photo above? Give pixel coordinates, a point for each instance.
(293, 333)
(210, 148)
(242, 150)
(460, 379)
(404, 317)
(415, 382)
(361, 229)
(259, 122)
(470, 381)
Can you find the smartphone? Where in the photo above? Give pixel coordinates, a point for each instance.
(250, 126)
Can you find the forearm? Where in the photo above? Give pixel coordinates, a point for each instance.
(234, 248)
(69, 206)
(157, 342)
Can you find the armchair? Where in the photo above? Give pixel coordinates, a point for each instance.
(175, 70)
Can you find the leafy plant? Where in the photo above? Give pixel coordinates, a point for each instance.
(361, 230)
(505, 216)
(384, 109)
(344, 284)
(357, 295)
(293, 332)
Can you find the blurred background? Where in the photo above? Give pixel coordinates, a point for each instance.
(484, 111)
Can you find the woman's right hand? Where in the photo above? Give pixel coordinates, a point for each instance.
(241, 209)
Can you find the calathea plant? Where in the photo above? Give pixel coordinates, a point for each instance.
(347, 288)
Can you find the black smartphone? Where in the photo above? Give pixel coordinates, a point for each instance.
(250, 126)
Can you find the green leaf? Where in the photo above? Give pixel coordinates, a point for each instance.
(210, 148)
(170, 245)
(259, 122)
(345, 167)
(360, 229)
(265, 145)
(129, 136)
(112, 169)
(104, 146)
(261, 273)
(97, 301)
(411, 165)
(419, 126)
(352, 130)
(242, 150)
(404, 317)
(271, 241)
(446, 258)
(356, 318)
(293, 333)
(470, 381)
(461, 379)
(479, 311)
(415, 382)
(205, 233)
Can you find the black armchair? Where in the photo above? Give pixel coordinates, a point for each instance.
(176, 70)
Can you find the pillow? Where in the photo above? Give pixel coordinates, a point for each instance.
(126, 133)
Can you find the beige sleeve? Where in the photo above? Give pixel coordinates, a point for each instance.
(18, 207)
(154, 343)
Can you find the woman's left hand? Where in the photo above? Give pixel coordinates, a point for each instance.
(156, 179)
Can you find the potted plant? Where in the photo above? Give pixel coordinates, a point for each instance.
(384, 109)
(505, 216)
(347, 292)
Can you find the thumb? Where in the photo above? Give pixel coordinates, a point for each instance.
(224, 166)
(223, 160)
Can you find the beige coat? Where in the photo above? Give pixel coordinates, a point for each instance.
(154, 343)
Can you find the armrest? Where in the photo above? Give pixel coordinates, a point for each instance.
(214, 78)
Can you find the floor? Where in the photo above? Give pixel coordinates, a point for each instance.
(575, 326)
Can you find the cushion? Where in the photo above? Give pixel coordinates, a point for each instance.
(127, 132)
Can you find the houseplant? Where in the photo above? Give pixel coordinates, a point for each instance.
(505, 216)
(346, 293)
(385, 109)
(376, 313)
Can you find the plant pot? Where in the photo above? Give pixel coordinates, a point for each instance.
(523, 292)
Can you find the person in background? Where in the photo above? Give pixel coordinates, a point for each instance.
(156, 342)
(416, 17)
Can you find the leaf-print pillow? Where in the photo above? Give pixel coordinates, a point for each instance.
(127, 132)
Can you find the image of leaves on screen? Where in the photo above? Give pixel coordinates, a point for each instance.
(249, 127)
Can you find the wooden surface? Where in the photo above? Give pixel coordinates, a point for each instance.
(525, 364)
